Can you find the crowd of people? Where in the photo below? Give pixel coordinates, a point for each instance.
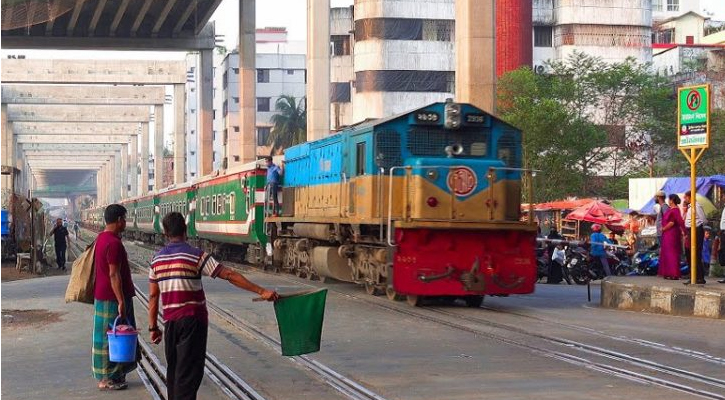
(673, 222)
(674, 226)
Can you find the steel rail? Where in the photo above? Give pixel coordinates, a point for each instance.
(153, 373)
(569, 344)
(582, 347)
(230, 383)
(346, 386)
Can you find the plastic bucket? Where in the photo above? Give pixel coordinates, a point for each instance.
(122, 344)
(300, 320)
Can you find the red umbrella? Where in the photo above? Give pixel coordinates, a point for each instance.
(596, 212)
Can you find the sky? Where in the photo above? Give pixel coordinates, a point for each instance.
(293, 17)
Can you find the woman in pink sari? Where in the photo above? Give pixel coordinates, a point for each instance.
(671, 247)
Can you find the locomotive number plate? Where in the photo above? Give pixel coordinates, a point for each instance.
(462, 181)
(426, 117)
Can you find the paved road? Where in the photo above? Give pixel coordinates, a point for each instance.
(437, 352)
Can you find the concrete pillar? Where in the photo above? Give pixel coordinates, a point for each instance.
(107, 183)
(179, 134)
(99, 186)
(144, 159)
(318, 69)
(123, 184)
(133, 165)
(8, 151)
(205, 129)
(5, 133)
(117, 179)
(247, 82)
(476, 53)
(158, 147)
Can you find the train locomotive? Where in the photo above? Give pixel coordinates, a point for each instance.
(421, 204)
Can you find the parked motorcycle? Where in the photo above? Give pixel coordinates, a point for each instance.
(619, 262)
(578, 265)
(646, 263)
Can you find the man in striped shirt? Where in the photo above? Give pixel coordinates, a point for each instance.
(175, 276)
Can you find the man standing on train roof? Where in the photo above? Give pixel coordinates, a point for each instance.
(274, 179)
(62, 241)
(175, 277)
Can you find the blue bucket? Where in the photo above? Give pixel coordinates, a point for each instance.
(122, 344)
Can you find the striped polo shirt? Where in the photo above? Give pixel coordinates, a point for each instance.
(177, 269)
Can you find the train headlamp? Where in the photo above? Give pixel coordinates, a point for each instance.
(431, 174)
(452, 115)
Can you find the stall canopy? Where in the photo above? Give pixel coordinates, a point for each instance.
(562, 205)
(596, 212)
(682, 185)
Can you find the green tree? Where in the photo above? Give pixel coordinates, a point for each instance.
(587, 118)
(289, 123)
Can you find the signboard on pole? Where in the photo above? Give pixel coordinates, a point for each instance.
(693, 138)
(693, 117)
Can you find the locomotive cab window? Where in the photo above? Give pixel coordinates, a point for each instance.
(360, 159)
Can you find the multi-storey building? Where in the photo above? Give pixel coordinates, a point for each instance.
(403, 55)
(607, 29)
(280, 71)
(342, 75)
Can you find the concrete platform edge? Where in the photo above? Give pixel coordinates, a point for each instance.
(685, 301)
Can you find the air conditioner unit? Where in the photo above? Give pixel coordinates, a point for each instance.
(539, 69)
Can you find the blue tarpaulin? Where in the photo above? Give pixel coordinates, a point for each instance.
(682, 185)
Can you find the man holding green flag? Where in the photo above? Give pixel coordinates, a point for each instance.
(175, 276)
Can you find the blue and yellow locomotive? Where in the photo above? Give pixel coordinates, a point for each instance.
(426, 203)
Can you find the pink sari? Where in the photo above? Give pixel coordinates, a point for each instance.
(671, 246)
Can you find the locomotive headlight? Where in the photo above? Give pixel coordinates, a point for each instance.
(431, 174)
(452, 115)
(432, 201)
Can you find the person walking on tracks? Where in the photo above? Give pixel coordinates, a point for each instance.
(60, 235)
(114, 292)
(175, 277)
(274, 178)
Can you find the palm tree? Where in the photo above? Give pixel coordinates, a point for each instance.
(289, 124)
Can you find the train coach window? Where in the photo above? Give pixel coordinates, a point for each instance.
(220, 205)
(213, 205)
(232, 205)
(360, 159)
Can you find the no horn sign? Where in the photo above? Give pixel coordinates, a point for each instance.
(693, 117)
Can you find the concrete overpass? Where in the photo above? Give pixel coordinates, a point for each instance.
(85, 96)
(93, 24)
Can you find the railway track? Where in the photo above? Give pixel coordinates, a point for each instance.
(344, 385)
(598, 358)
(153, 373)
